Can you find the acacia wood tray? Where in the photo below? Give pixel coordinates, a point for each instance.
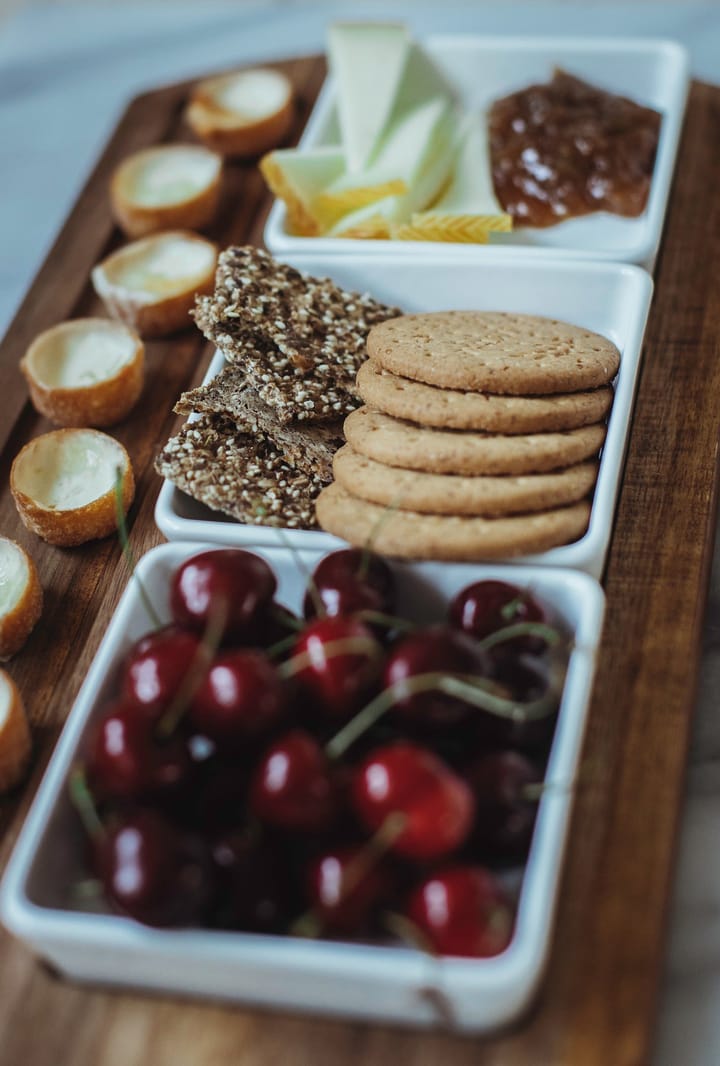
(598, 1001)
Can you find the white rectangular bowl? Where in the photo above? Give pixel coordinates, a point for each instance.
(483, 69)
(609, 298)
(381, 983)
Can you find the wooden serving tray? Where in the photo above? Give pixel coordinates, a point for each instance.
(598, 1001)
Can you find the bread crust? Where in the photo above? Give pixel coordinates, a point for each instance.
(17, 624)
(103, 403)
(153, 318)
(228, 132)
(15, 741)
(68, 528)
(138, 220)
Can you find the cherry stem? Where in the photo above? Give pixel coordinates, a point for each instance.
(199, 666)
(84, 804)
(407, 931)
(310, 583)
(310, 924)
(521, 629)
(475, 691)
(128, 552)
(280, 646)
(347, 646)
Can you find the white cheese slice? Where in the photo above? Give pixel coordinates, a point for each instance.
(368, 61)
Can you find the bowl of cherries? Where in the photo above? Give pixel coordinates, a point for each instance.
(329, 782)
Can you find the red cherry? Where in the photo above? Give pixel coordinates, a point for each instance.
(152, 872)
(405, 779)
(437, 649)
(125, 762)
(525, 679)
(343, 889)
(463, 910)
(486, 606)
(334, 681)
(227, 583)
(156, 667)
(505, 813)
(352, 580)
(292, 786)
(241, 696)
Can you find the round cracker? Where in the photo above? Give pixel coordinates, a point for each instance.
(410, 535)
(428, 405)
(494, 351)
(395, 443)
(413, 490)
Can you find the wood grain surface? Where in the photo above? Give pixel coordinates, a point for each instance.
(599, 998)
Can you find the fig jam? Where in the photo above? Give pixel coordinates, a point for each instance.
(566, 148)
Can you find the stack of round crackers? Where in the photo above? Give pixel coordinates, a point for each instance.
(479, 437)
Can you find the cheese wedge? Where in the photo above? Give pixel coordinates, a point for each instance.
(368, 62)
(467, 210)
(418, 152)
(298, 178)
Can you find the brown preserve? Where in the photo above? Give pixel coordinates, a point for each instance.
(565, 149)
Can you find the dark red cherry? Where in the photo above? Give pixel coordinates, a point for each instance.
(486, 606)
(255, 884)
(241, 696)
(406, 779)
(154, 873)
(344, 886)
(463, 910)
(292, 786)
(352, 580)
(523, 678)
(156, 667)
(502, 784)
(276, 624)
(436, 649)
(341, 662)
(229, 587)
(126, 762)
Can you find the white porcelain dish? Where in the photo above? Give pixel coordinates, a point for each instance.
(609, 298)
(382, 983)
(652, 72)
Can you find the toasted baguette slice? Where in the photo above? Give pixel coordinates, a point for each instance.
(63, 484)
(88, 372)
(14, 734)
(242, 114)
(170, 186)
(21, 597)
(151, 284)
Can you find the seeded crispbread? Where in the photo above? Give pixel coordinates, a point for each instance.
(437, 451)
(301, 338)
(411, 535)
(429, 405)
(496, 352)
(414, 490)
(240, 474)
(309, 446)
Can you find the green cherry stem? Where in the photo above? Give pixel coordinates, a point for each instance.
(521, 629)
(389, 621)
(475, 691)
(347, 646)
(128, 552)
(84, 804)
(197, 670)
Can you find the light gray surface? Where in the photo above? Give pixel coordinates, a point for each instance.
(66, 73)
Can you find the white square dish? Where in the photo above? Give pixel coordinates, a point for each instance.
(482, 69)
(382, 983)
(611, 299)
